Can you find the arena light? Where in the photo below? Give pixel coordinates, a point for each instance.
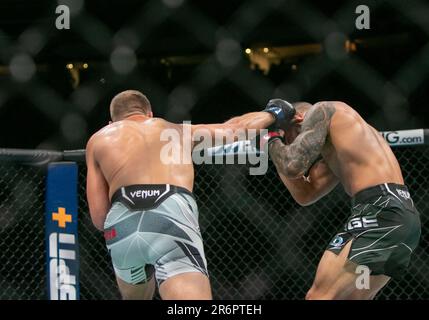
(350, 46)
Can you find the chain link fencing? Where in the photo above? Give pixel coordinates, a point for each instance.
(196, 60)
(259, 243)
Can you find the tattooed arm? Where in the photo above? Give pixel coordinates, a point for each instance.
(293, 160)
(231, 130)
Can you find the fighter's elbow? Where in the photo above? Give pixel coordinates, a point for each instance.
(98, 224)
(290, 170)
(305, 199)
(97, 218)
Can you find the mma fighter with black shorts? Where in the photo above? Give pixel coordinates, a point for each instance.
(329, 143)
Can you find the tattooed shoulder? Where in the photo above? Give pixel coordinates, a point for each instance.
(320, 114)
(295, 159)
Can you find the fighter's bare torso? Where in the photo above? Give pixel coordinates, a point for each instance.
(145, 150)
(353, 153)
(357, 154)
(129, 152)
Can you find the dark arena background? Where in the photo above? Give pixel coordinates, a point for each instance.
(205, 61)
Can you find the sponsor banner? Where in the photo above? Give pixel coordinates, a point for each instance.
(404, 137)
(61, 236)
(394, 138)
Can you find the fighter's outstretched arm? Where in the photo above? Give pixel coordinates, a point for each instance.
(232, 129)
(251, 120)
(293, 160)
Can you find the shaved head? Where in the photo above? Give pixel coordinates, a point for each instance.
(127, 103)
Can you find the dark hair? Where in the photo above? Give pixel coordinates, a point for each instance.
(127, 103)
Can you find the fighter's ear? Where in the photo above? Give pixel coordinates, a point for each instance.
(299, 117)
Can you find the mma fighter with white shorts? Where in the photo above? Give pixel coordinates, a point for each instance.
(144, 205)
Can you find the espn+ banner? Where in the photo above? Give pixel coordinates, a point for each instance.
(62, 256)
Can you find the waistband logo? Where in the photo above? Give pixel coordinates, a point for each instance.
(145, 193)
(403, 194)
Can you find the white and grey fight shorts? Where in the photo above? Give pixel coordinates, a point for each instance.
(153, 230)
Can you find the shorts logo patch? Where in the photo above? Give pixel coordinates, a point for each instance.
(337, 242)
(110, 234)
(362, 222)
(403, 194)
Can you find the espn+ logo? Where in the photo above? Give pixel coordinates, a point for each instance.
(61, 253)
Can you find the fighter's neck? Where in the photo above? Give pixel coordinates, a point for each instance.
(137, 117)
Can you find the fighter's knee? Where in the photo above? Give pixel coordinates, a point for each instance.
(137, 295)
(309, 295)
(316, 293)
(313, 293)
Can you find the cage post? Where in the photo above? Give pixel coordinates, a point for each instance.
(61, 232)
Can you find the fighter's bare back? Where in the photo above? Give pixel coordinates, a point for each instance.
(131, 151)
(357, 153)
(128, 152)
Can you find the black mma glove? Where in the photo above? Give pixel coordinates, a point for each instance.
(282, 111)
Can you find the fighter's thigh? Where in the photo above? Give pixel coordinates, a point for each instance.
(144, 291)
(186, 286)
(336, 278)
(329, 270)
(375, 284)
(332, 268)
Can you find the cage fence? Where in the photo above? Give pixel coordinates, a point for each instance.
(259, 243)
(67, 75)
